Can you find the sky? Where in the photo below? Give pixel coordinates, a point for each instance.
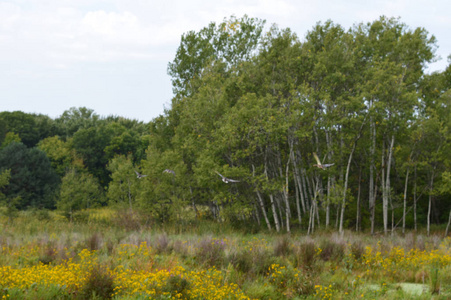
(112, 55)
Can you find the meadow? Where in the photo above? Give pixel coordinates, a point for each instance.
(105, 254)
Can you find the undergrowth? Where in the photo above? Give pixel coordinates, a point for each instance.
(44, 256)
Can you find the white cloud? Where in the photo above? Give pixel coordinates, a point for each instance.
(79, 30)
(9, 14)
(54, 35)
(115, 27)
(50, 45)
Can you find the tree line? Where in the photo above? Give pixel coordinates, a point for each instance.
(257, 105)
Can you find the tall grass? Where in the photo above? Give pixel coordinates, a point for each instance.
(100, 256)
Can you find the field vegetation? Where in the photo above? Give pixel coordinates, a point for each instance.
(99, 256)
(313, 166)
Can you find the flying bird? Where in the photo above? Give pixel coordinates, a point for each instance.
(138, 175)
(169, 171)
(225, 179)
(320, 165)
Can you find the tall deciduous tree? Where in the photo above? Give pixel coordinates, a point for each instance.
(123, 187)
(78, 191)
(74, 119)
(231, 42)
(395, 58)
(22, 124)
(10, 137)
(258, 117)
(62, 156)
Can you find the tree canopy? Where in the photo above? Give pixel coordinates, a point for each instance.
(270, 110)
(32, 179)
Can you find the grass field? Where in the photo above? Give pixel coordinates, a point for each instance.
(104, 255)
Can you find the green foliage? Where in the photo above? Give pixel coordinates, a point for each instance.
(23, 124)
(90, 143)
(11, 207)
(306, 254)
(283, 247)
(10, 137)
(357, 250)
(331, 250)
(176, 285)
(97, 145)
(31, 128)
(62, 156)
(79, 191)
(99, 285)
(160, 193)
(434, 280)
(210, 252)
(254, 105)
(96, 258)
(32, 177)
(262, 290)
(231, 42)
(75, 119)
(124, 185)
(5, 175)
(254, 260)
(56, 292)
(128, 219)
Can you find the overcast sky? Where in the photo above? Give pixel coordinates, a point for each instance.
(112, 55)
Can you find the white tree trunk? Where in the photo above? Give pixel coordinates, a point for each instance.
(372, 193)
(357, 223)
(345, 188)
(405, 202)
(286, 193)
(262, 207)
(274, 213)
(348, 167)
(431, 185)
(298, 187)
(415, 199)
(313, 208)
(386, 186)
(447, 226)
(330, 178)
(328, 202)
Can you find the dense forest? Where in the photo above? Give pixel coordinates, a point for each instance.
(341, 129)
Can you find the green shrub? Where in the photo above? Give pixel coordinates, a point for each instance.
(99, 284)
(283, 247)
(305, 254)
(262, 290)
(357, 250)
(181, 247)
(176, 285)
(162, 244)
(253, 261)
(38, 292)
(127, 219)
(331, 250)
(49, 254)
(434, 280)
(211, 252)
(289, 281)
(93, 242)
(41, 214)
